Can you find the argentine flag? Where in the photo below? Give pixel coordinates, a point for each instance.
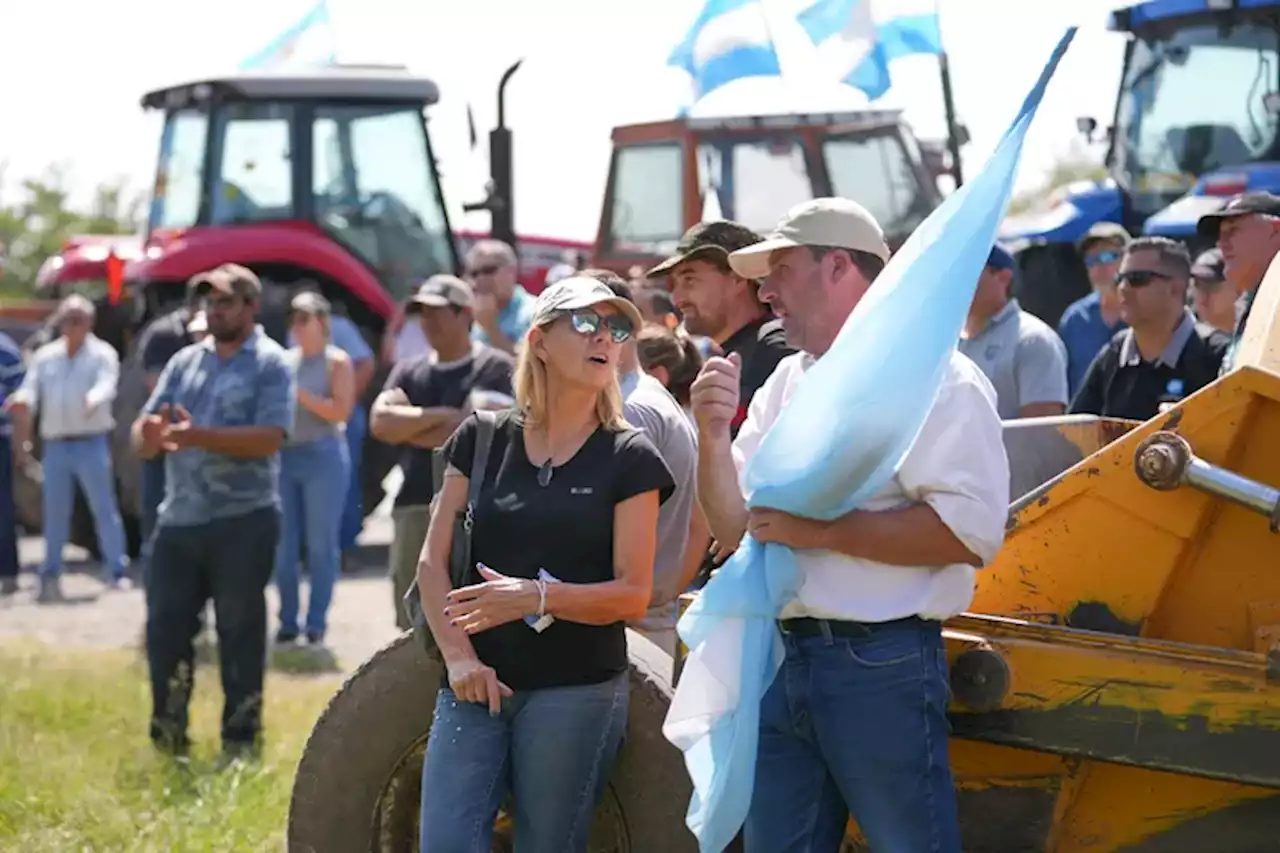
(729, 40)
(306, 44)
(857, 39)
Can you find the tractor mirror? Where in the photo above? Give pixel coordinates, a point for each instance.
(1271, 102)
(1087, 126)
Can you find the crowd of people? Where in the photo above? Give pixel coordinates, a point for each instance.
(608, 423)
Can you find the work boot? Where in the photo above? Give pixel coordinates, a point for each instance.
(8, 586)
(50, 590)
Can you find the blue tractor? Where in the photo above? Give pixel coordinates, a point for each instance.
(1196, 121)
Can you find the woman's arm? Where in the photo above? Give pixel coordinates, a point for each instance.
(336, 408)
(501, 599)
(434, 583)
(626, 597)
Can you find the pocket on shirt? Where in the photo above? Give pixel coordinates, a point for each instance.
(233, 400)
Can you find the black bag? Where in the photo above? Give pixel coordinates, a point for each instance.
(460, 551)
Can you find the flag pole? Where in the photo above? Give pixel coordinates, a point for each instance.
(949, 105)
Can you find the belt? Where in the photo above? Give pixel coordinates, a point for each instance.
(806, 626)
(81, 437)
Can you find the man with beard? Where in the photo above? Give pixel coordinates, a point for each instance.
(220, 412)
(720, 304)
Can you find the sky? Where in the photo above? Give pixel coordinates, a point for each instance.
(74, 71)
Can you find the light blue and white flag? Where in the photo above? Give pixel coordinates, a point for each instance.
(729, 40)
(857, 39)
(306, 44)
(839, 439)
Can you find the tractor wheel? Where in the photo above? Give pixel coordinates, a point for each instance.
(359, 780)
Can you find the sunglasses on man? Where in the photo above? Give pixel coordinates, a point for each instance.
(1140, 278)
(1101, 259)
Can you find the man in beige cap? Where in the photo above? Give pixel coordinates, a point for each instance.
(855, 720)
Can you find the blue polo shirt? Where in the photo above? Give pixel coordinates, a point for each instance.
(1084, 333)
(514, 320)
(252, 387)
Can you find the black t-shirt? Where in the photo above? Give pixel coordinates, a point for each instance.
(1113, 390)
(565, 527)
(761, 345)
(429, 385)
(162, 339)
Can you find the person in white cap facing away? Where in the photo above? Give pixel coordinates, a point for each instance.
(563, 540)
(855, 721)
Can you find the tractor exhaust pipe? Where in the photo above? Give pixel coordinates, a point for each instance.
(499, 199)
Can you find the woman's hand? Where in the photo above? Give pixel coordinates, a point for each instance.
(472, 681)
(495, 602)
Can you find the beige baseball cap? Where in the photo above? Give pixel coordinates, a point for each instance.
(821, 222)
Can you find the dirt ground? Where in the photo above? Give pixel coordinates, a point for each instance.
(361, 618)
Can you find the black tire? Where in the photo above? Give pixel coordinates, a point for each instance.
(358, 782)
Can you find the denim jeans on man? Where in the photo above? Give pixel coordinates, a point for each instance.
(857, 720)
(313, 479)
(229, 560)
(8, 512)
(150, 494)
(551, 749)
(87, 461)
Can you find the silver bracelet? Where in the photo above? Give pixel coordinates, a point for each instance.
(542, 597)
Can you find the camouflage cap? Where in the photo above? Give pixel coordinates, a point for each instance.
(708, 238)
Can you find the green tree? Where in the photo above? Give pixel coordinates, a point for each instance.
(37, 220)
(1066, 171)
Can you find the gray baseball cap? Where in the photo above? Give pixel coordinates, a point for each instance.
(579, 291)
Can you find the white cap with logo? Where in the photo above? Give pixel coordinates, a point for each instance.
(836, 222)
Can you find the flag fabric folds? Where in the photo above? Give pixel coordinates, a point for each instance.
(308, 43)
(729, 40)
(855, 44)
(837, 442)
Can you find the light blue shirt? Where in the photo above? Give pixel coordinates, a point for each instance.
(72, 392)
(253, 387)
(514, 320)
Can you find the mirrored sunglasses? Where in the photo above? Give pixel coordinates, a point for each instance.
(1102, 258)
(585, 321)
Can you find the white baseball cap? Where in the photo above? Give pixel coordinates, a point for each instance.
(580, 291)
(835, 222)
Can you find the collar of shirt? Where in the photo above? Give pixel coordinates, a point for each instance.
(1010, 309)
(1131, 357)
(744, 336)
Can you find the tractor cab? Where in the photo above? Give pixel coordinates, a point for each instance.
(324, 175)
(667, 176)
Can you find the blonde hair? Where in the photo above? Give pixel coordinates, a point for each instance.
(531, 391)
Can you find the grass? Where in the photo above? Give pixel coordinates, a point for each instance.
(77, 772)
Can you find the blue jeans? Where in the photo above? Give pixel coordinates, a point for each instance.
(87, 461)
(353, 507)
(313, 478)
(552, 749)
(8, 512)
(856, 724)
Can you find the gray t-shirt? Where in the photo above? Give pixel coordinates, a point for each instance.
(650, 407)
(1025, 360)
(312, 374)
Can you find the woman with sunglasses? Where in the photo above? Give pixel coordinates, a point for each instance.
(563, 542)
(314, 468)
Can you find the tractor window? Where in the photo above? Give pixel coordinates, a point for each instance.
(375, 189)
(175, 200)
(646, 215)
(255, 179)
(875, 172)
(753, 181)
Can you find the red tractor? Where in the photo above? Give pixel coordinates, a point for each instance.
(324, 175)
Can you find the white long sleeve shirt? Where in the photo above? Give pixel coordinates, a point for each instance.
(73, 393)
(957, 465)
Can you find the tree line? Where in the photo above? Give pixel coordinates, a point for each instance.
(37, 217)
